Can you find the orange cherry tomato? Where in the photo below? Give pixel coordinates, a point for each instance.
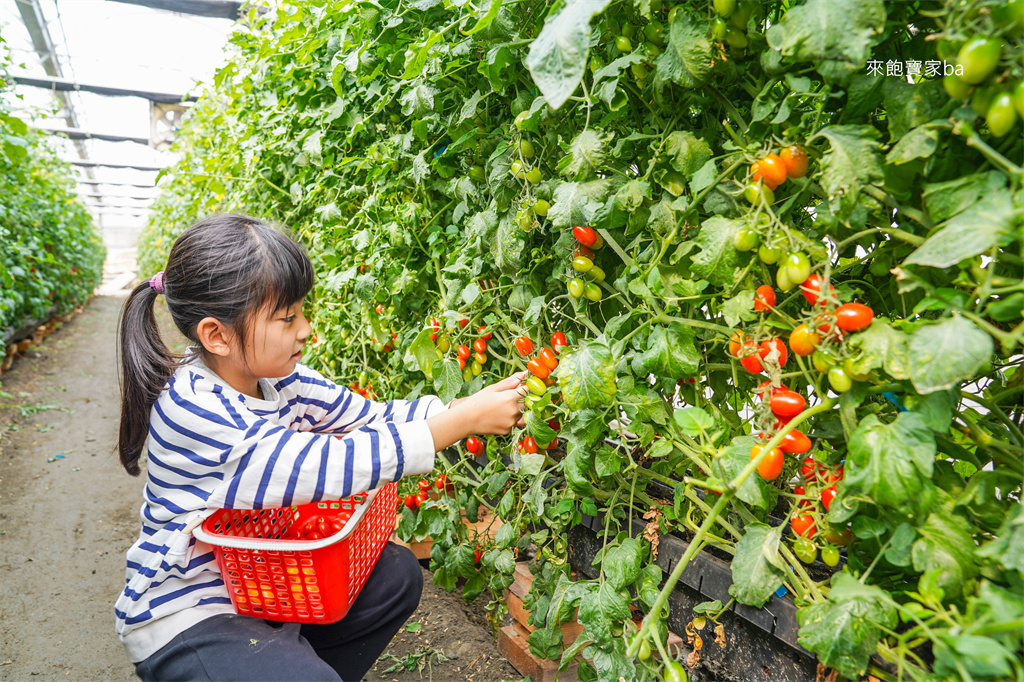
(770, 170)
(803, 525)
(771, 466)
(735, 343)
(794, 158)
(524, 345)
(538, 368)
(803, 341)
(795, 442)
(547, 356)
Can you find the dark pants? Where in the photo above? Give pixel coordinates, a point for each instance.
(234, 647)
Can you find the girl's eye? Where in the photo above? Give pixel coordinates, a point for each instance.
(289, 319)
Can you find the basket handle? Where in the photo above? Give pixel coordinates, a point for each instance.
(280, 545)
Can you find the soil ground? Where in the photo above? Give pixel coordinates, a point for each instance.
(68, 512)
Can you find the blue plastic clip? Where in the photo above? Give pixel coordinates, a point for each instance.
(895, 400)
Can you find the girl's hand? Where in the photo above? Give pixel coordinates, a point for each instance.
(494, 409)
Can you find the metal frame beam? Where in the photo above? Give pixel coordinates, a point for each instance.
(84, 135)
(93, 164)
(220, 9)
(64, 85)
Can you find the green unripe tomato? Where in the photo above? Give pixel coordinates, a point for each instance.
(848, 368)
(477, 368)
(769, 254)
(521, 119)
(798, 267)
(1018, 97)
(467, 374)
(655, 32)
(1001, 117)
(741, 15)
(830, 555)
(622, 44)
(782, 279)
(526, 149)
(627, 30)
(596, 63)
(650, 50)
(536, 386)
(1009, 14)
(533, 175)
(541, 208)
(639, 71)
(673, 671)
(982, 99)
(719, 29)
(672, 13)
(746, 239)
(805, 550)
(575, 287)
(582, 264)
(477, 172)
(444, 344)
(597, 274)
(592, 292)
(645, 651)
(978, 57)
(524, 220)
(725, 7)
(757, 193)
(516, 169)
(956, 88)
(823, 361)
(838, 380)
(736, 38)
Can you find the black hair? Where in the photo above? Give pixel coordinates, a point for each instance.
(228, 267)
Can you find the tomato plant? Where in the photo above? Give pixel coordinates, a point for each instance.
(395, 149)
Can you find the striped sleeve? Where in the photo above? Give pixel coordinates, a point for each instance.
(328, 407)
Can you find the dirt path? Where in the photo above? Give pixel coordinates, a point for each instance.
(68, 512)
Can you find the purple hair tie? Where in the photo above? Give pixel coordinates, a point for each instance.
(157, 282)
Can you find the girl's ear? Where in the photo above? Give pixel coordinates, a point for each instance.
(215, 337)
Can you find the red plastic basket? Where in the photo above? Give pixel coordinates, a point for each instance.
(272, 577)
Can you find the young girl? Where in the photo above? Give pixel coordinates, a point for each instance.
(239, 422)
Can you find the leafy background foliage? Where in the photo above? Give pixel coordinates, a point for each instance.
(389, 136)
(51, 258)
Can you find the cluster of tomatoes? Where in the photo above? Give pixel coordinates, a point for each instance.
(990, 95)
(362, 388)
(730, 26)
(478, 354)
(415, 500)
(539, 380)
(583, 262)
(390, 345)
(319, 526)
(785, 404)
(818, 486)
(773, 170)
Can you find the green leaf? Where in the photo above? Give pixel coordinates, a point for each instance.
(845, 630)
(558, 56)
(687, 56)
(693, 421)
(974, 231)
(880, 346)
(670, 352)
(587, 376)
(447, 380)
(898, 553)
(600, 609)
(538, 427)
(485, 21)
(892, 463)
(586, 155)
(946, 353)
(935, 408)
(974, 654)
(836, 35)
(573, 205)
(739, 308)
(755, 490)
(919, 143)
(946, 199)
(621, 563)
(718, 260)
(458, 561)
(852, 162)
(945, 544)
(686, 152)
(508, 245)
(421, 354)
(757, 568)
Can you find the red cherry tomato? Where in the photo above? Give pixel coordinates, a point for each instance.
(794, 158)
(554, 424)
(803, 525)
(558, 341)
(766, 386)
(851, 317)
(584, 251)
(833, 477)
(480, 346)
(538, 368)
(795, 442)
(811, 288)
(477, 556)
(766, 348)
(788, 404)
(463, 323)
(827, 495)
(529, 445)
(750, 359)
(484, 336)
(424, 484)
(809, 468)
(314, 535)
(801, 492)
(547, 356)
(421, 498)
(771, 466)
(585, 235)
(441, 482)
(524, 345)
(474, 445)
(764, 298)
(464, 352)
(771, 170)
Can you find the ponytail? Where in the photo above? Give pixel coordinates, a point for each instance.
(146, 365)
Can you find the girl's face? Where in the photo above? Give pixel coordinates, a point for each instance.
(276, 342)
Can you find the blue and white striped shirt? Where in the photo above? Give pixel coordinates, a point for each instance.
(211, 447)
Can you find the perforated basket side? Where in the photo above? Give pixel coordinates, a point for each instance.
(369, 539)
